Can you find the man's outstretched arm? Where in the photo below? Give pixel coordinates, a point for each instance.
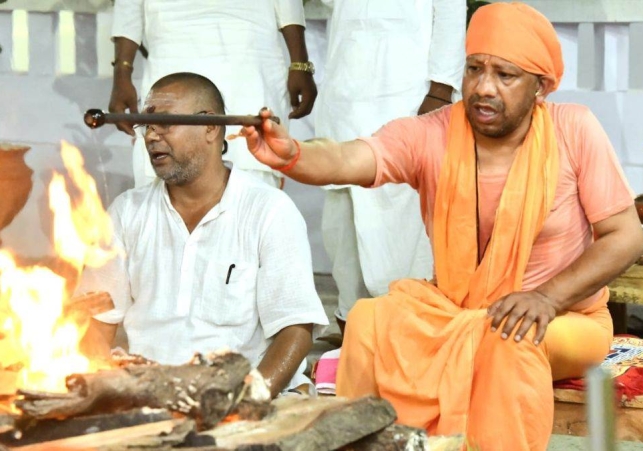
(314, 162)
(284, 355)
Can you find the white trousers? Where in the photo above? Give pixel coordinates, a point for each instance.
(373, 237)
(340, 242)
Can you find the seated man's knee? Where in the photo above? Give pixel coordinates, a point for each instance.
(361, 317)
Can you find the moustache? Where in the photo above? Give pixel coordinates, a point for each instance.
(497, 105)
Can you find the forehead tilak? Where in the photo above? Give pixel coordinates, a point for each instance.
(159, 100)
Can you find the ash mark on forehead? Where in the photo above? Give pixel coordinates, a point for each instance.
(160, 100)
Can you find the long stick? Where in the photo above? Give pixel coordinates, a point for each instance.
(95, 118)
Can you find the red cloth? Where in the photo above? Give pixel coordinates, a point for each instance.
(629, 382)
(627, 386)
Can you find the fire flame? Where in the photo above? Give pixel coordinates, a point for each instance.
(39, 339)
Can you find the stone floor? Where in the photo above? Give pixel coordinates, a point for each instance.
(328, 293)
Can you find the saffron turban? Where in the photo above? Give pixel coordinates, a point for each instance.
(519, 34)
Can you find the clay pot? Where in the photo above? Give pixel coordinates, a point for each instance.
(15, 181)
(638, 202)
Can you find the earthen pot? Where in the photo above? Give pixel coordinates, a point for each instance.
(638, 202)
(15, 181)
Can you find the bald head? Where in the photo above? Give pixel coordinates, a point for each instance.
(206, 95)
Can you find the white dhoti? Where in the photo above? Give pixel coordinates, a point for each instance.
(381, 56)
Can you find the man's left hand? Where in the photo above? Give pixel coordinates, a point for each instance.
(528, 308)
(301, 83)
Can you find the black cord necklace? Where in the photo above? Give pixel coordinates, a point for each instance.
(479, 256)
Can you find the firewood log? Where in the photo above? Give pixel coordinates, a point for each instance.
(307, 424)
(205, 392)
(398, 437)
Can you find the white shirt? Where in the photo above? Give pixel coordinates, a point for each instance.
(236, 44)
(242, 275)
(381, 57)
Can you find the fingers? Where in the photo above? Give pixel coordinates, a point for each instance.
(294, 102)
(528, 320)
(514, 310)
(516, 313)
(303, 92)
(509, 310)
(498, 311)
(305, 107)
(133, 107)
(252, 138)
(120, 107)
(543, 322)
(127, 128)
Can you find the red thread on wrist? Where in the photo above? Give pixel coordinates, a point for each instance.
(294, 161)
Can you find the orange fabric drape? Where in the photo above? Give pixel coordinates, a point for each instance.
(427, 371)
(524, 204)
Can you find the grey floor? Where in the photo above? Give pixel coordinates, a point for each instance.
(328, 293)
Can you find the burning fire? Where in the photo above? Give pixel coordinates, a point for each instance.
(39, 339)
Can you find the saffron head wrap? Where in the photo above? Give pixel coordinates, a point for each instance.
(519, 34)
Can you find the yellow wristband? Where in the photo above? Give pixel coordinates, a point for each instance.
(124, 63)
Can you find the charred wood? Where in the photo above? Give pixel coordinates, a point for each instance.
(206, 393)
(27, 431)
(393, 438)
(307, 425)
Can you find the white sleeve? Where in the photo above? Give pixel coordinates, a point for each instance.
(128, 21)
(286, 292)
(111, 277)
(289, 12)
(446, 55)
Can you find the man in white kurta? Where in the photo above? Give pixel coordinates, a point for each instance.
(385, 60)
(236, 44)
(197, 274)
(241, 276)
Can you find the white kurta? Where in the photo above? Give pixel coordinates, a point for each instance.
(236, 44)
(242, 275)
(381, 56)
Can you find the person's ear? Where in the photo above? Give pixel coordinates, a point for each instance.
(212, 132)
(544, 87)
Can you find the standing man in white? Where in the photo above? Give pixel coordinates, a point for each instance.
(235, 44)
(386, 59)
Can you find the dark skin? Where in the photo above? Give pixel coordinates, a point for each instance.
(124, 96)
(438, 96)
(188, 158)
(301, 85)
(499, 98)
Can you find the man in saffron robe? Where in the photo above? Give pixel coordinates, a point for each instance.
(529, 216)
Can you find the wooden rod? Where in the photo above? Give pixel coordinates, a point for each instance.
(95, 118)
